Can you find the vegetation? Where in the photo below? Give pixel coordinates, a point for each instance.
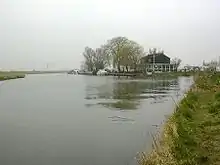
(191, 135)
(94, 59)
(176, 62)
(118, 52)
(124, 52)
(211, 66)
(121, 53)
(10, 75)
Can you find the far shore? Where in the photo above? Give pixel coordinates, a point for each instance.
(139, 74)
(11, 75)
(7, 75)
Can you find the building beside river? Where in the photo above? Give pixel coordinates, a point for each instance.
(158, 62)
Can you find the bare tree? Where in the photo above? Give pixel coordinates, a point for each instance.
(89, 55)
(135, 54)
(95, 59)
(115, 50)
(124, 53)
(176, 62)
(100, 58)
(118, 51)
(155, 51)
(150, 51)
(83, 66)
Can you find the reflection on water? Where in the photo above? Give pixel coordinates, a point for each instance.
(127, 94)
(121, 104)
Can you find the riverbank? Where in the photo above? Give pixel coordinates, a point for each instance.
(174, 74)
(11, 75)
(191, 135)
(140, 74)
(154, 75)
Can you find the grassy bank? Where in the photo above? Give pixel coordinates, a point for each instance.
(191, 136)
(10, 75)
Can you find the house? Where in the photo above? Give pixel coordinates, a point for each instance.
(158, 62)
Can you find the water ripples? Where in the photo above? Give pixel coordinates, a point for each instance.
(128, 94)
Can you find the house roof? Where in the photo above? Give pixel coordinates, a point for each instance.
(150, 56)
(157, 54)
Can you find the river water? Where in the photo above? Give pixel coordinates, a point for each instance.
(61, 119)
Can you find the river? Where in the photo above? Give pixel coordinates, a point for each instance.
(61, 119)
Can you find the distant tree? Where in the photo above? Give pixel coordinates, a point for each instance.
(176, 62)
(212, 65)
(95, 59)
(89, 55)
(118, 51)
(154, 51)
(83, 66)
(124, 52)
(125, 61)
(100, 58)
(135, 54)
(115, 50)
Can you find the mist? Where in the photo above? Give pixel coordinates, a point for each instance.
(36, 34)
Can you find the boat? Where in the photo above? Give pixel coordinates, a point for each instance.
(101, 72)
(74, 71)
(85, 73)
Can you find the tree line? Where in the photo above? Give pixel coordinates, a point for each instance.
(211, 65)
(118, 52)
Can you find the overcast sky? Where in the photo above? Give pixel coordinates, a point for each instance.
(36, 32)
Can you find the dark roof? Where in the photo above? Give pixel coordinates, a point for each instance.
(157, 54)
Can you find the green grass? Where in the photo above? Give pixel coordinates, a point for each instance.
(10, 75)
(191, 135)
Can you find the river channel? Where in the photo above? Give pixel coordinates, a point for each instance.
(61, 119)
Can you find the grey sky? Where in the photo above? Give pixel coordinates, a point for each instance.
(36, 32)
